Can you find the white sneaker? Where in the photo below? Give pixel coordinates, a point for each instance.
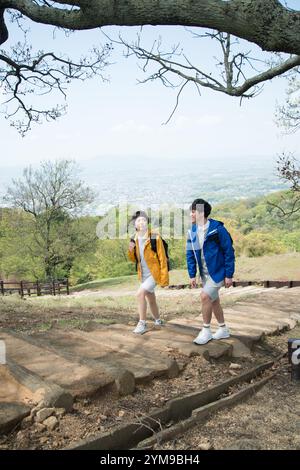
(140, 328)
(158, 322)
(221, 333)
(204, 336)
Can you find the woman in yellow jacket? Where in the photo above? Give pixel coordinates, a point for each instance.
(152, 268)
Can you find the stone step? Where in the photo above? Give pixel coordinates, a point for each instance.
(78, 379)
(267, 313)
(272, 307)
(107, 349)
(162, 340)
(240, 348)
(248, 318)
(11, 390)
(238, 326)
(18, 384)
(250, 290)
(236, 329)
(238, 290)
(11, 414)
(280, 301)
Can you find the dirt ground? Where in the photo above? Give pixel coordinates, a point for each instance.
(269, 420)
(34, 314)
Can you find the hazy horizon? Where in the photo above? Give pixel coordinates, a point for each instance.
(152, 181)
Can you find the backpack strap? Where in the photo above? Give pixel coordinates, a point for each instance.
(153, 242)
(216, 238)
(134, 252)
(136, 259)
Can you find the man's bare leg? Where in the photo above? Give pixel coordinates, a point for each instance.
(218, 311)
(205, 334)
(223, 331)
(207, 307)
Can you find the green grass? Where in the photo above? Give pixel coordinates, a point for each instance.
(274, 267)
(284, 267)
(42, 313)
(108, 283)
(44, 326)
(130, 282)
(58, 307)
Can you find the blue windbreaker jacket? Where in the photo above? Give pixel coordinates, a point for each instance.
(217, 250)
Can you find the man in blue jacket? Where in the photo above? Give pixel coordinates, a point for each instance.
(209, 246)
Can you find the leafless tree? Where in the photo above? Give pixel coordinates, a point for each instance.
(288, 171)
(288, 114)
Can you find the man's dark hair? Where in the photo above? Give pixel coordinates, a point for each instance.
(198, 204)
(139, 214)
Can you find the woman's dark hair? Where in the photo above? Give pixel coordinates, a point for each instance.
(198, 204)
(139, 214)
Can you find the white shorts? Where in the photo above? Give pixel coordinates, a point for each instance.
(211, 288)
(148, 284)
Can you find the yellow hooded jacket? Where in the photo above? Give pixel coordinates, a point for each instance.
(157, 262)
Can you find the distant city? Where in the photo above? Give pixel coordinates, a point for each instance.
(168, 181)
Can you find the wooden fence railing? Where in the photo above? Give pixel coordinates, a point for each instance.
(38, 288)
(266, 284)
(58, 287)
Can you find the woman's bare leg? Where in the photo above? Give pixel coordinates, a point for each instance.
(153, 304)
(142, 304)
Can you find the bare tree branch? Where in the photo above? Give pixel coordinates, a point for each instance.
(293, 208)
(177, 102)
(28, 75)
(232, 67)
(288, 115)
(289, 171)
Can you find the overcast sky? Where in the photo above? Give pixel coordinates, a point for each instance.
(121, 118)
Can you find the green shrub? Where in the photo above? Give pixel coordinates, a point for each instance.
(259, 244)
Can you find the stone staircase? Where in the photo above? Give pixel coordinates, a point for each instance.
(58, 365)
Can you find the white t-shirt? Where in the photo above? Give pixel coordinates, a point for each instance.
(144, 266)
(202, 231)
